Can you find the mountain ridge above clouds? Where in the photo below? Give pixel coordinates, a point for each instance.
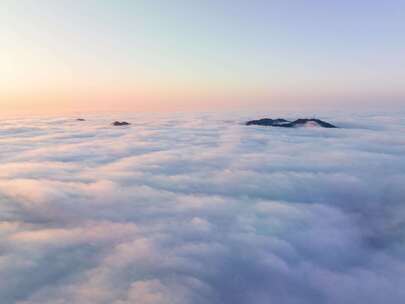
(281, 122)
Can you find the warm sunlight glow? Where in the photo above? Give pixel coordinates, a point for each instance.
(63, 56)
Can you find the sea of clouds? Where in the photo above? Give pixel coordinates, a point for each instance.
(198, 208)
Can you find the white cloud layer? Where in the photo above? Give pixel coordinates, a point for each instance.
(201, 209)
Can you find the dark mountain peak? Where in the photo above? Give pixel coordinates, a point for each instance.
(312, 122)
(120, 123)
(267, 122)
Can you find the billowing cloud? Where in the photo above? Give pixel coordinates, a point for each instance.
(201, 209)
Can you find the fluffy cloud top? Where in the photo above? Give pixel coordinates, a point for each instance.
(201, 209)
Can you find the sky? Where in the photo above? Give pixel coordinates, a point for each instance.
(98, 55)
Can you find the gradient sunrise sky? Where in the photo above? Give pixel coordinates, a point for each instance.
(100, 55)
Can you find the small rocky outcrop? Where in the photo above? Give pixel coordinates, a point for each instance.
(280, 122)
(120, 123)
